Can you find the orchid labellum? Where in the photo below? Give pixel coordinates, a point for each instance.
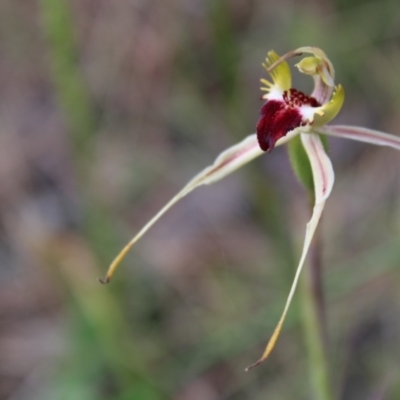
(286, 113)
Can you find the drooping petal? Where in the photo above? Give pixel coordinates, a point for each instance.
(323, 176)
(362, 135)
(226, 163)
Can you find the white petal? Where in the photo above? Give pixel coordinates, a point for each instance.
(362, 135)
(227, 162)
(321, 166)
(323, 182)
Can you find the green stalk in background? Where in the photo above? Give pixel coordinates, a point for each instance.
(67, 77)
(106, 340)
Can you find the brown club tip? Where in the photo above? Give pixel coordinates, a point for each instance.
(104, 281)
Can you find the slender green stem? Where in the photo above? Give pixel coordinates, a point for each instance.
(316, 285)
(312, 301)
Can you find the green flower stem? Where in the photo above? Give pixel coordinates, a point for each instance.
(313, 312)
(316, 285)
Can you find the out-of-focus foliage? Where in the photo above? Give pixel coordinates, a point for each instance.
(107, 108)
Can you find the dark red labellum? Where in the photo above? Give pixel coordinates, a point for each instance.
(275, 122)
(278, 117)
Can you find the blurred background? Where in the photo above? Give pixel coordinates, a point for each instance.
(107, 109)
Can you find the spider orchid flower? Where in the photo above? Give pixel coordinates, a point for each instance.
(286, 113)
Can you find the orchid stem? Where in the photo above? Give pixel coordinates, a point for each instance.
(314, 322)
(316, 285)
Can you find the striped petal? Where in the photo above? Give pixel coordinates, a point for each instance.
(323, 176)
(226, 163)
(362, 135)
